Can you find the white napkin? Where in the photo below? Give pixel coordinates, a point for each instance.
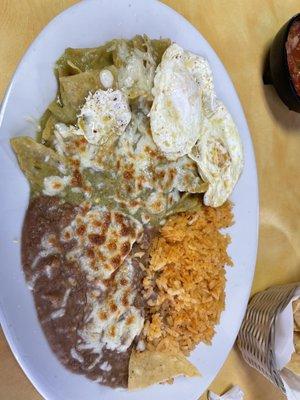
(234, 393)
(284, 347)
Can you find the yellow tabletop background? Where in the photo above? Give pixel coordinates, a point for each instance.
(240, 32)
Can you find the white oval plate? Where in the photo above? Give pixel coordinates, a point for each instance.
(87, 24)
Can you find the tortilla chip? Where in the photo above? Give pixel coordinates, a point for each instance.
(73, 90)
(148, 368)
(296, 311)
(44, 118)
(73, 69)
(36, 161)
(188, 202)
(297, 341)
(294, 364)
(48, 130)
(62, 114)
(160, 46)
(84, 59)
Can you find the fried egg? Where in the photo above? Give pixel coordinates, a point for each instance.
(176, 113)
(183, 92)
(202, 74)
(104, 112)
(219, 155)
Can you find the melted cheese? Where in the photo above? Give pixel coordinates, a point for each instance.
(156, 203)
(117, 322)
(134, 161)
(136, 70)
(106, 78)
(54, 185)
(148, 173)
(70, 142)
(104, 239)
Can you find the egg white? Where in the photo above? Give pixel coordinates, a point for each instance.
(176, 113)
(219, 155)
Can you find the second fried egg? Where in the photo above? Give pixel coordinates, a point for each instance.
(219, 155)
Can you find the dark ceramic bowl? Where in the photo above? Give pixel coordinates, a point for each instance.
(276, 70)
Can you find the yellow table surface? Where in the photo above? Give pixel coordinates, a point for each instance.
(240, 32)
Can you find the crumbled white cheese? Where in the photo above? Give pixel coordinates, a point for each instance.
(104, 113)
